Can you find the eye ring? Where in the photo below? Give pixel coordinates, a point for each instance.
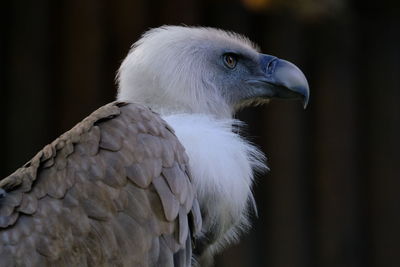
(230, 60)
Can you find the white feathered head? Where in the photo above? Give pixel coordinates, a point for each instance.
(177, 69)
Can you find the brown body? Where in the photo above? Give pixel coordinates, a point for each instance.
(113, 191)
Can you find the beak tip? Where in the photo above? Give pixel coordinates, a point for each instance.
(293, 79)
(305, 103)
(305, 99)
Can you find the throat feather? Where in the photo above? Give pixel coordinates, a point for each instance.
(222, 165)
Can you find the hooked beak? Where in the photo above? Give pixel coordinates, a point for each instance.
(283, 79)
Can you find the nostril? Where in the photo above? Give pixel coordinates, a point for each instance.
(268, 64)
(271, 66)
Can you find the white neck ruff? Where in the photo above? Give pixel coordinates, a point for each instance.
(222, 165)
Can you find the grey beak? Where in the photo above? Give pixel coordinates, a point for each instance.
(287, 80)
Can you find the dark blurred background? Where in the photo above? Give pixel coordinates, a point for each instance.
(332, 197)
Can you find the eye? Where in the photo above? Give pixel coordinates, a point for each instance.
(230, 60)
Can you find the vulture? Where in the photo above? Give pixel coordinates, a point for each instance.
(161, 176)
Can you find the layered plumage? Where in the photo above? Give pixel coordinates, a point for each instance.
(102, 195)
(131, 187)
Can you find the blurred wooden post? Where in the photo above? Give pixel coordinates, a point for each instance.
(381, 61)
(27, 70)
(81, 58)
(339, 224)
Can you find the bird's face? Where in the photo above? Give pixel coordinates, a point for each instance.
(203, 70)
(246, 77)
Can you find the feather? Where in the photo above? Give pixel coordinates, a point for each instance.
(110, 138)
(28, 205)
(139, 206)
(168, 199)
(196, 218)
(115, 173)
(183, 226)
(138, 175)
(154, 251)
(176, 180)
(166, 255)
(171, 242)
(142, 174)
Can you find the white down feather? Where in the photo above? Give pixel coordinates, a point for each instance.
(222, 165)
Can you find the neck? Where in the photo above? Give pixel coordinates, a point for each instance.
(222, 166)
(166, 101)
(222, 111)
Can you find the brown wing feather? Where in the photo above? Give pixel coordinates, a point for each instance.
(102, 194)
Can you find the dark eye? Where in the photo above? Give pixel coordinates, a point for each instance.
(230, 60)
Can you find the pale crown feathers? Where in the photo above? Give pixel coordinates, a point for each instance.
(176, 69)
